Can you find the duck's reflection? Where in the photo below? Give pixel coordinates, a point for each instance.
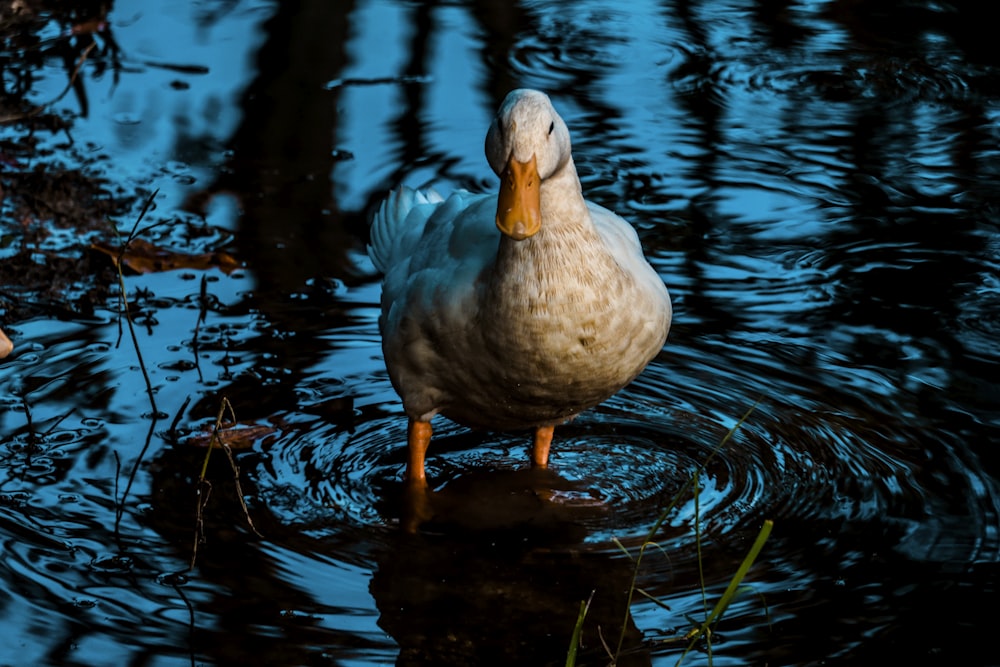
(497, 575)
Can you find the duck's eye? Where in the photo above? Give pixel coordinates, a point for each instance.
(552, 126)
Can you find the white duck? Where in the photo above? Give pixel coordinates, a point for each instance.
(523, 328)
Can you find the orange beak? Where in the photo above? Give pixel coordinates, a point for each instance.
(519, 206)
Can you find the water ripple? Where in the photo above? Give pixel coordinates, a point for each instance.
(831, 461)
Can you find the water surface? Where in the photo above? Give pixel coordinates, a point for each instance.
(817, 184)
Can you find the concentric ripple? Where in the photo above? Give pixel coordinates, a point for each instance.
(618, 467)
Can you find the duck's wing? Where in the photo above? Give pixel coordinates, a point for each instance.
(623, 244)
(618, 234)
(398, 223)
(432, 254)
(423, 230)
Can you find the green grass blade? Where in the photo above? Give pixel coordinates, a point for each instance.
(734, 584)
(574, 642)
(741, 572)
(705, 630)
(655, 528)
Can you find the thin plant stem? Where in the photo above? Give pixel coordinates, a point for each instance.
(574, 641)
(123, 297)
(655, 528)
(705, 629)
(123, 301)
(205, 487)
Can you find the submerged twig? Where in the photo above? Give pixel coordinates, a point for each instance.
(118, 474)
(239, 489)
(202, 317)
(204, 490)
(205, 486)
(59, 420)
(120, 510)
(191, 619)
(123, 300)
(172, 431)
(204, 493)
(32, 436)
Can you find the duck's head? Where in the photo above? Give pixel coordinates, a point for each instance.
(527, 143)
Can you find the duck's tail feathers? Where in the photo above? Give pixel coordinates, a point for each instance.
(402, 210)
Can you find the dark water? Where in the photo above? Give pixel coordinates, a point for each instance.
(816, 182)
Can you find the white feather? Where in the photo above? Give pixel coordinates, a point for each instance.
(500, 333)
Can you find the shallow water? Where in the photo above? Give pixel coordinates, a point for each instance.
(817, 184)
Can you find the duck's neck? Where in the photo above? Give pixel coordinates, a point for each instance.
(567, 243)
(565, 218)
(563, 206)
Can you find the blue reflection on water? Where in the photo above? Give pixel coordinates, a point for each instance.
(817, 190)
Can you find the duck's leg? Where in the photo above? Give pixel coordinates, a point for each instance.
(417, 499)
(418, 439)
(540, 448)
(6, 347)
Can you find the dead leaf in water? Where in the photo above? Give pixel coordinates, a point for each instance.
(89, 27)
(144, 257)
(239, 437)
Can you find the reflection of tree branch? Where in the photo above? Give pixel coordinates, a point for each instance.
(71, 84)
(74, 46)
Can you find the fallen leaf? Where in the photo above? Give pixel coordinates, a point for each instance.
(89, 27)
(238, 437)
(144, 257)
